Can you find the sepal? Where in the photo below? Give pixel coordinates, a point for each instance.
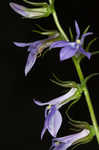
(68, 84)
(88, 78)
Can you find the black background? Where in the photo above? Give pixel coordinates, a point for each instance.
(21, 121)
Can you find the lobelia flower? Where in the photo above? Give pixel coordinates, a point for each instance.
(63, 143)
(53, 118)
(70, 49)
(35, 49)
(43, 10)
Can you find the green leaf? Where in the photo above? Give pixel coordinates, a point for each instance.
(41, 28)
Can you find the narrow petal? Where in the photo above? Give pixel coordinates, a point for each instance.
(19, 44)
(40, 103)
(54, 121)
(59, 44)
(58, 100)
(84, 36)
(18, 9)
(77, 30)
(30, 62)
(73, 137)
(44, 128)
(87, 54)
(67, 52)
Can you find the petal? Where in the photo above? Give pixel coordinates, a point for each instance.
(18, 9)
(67, 52)
(54, 121)
(87, 54)
(30, 62)
(40, 103)
(77, 30)
(44, 128)
(19, 44)
(67, 97)
(60, 146)
(73, 137)
(69, 140)
(59, 44)
(83, 37)
(58, 100)
(45, 123)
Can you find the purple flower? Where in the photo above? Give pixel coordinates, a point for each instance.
(53, 118)
(70, 49)
(35, 49)
(64, 143)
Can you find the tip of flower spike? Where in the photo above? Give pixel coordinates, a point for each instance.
(18, 9)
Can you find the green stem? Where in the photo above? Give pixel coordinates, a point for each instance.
(88, 99)
(57, 23)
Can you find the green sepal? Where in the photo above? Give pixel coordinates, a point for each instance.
(43, 4)
(48, 33)
(69, 84)
(86, 29)
(88, 78)
(87, 49)
(95, 53)
(89, 44)
(71, 35)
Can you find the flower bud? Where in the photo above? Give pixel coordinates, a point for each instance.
(34, 13)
